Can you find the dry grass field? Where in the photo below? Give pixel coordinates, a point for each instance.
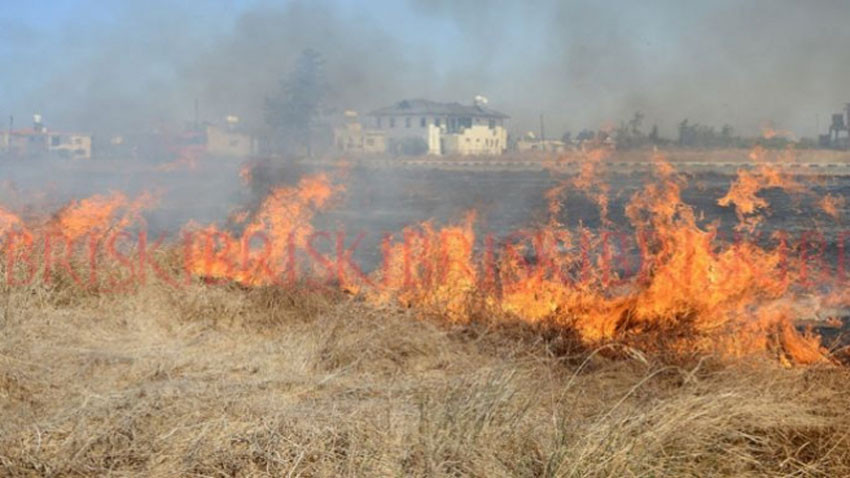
(245, 379)
(224, 381)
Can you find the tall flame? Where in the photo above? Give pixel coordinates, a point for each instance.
(260, 255)
(697, 295)
(692, 293)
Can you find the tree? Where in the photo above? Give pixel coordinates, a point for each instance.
(654, 137)
(629, 134)
(585, 135)
(293, 113)
(684, 133)
(635, 124)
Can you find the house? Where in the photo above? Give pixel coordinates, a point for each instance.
(351, 137)
(38, 141)
(70, 145)
(421, 126)
(229, 140)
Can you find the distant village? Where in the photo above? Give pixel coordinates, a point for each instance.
(409, 127)
(412, 127)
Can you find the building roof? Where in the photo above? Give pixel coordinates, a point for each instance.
(427, 107)
(45, 132)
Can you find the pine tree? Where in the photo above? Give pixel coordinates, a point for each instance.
(293, 113)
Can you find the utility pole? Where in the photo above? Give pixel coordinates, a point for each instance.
(542, 130)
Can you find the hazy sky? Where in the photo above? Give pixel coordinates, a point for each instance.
(109, 66)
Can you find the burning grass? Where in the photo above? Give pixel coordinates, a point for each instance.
(130, 358)
(223, 380)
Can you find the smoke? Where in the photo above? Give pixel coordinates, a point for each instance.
(145, 67)
(140, 65)
(588, 63)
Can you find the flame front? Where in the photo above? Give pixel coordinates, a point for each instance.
(693, 295)
(688, 292)
(261, 255)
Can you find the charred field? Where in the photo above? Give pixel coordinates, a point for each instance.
(689, 348)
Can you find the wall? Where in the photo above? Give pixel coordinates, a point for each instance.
(400, 129)
(552, 146)
(477, 140)
(222, 142)
(352, 138)
(70, 145)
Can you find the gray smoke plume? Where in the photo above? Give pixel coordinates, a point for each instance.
(580, 63)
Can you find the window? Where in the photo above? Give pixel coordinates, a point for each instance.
(379, 123)
(392, 122)
(492, 124)
(423, 121)
(437, 122)
(407, 122)
(55, 140)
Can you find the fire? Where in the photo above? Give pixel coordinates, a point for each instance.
(699, 297)
(769, 132)
(832, 205)
(432, 269)
(8, 221)
(744, 191)
(587, 181)
(688, 291)
(246, 174)
(716, 293)
(99, 213)
(260, 256)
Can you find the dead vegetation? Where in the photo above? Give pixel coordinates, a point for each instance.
(226, 381)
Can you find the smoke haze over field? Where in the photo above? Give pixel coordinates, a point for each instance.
(98, 65)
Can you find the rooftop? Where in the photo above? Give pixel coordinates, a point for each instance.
(427, 107)
(44, 132)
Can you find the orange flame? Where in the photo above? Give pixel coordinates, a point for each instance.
(8, 221)
(700, 297)
(743, 193)
(282, 221)
(99, 213)
(692, 294)
(832, 205)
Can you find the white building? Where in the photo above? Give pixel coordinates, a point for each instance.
(428, 127)
(351, 137)
(230, 140)
(38, 141)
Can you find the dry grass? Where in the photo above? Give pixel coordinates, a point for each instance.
(222, 381)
